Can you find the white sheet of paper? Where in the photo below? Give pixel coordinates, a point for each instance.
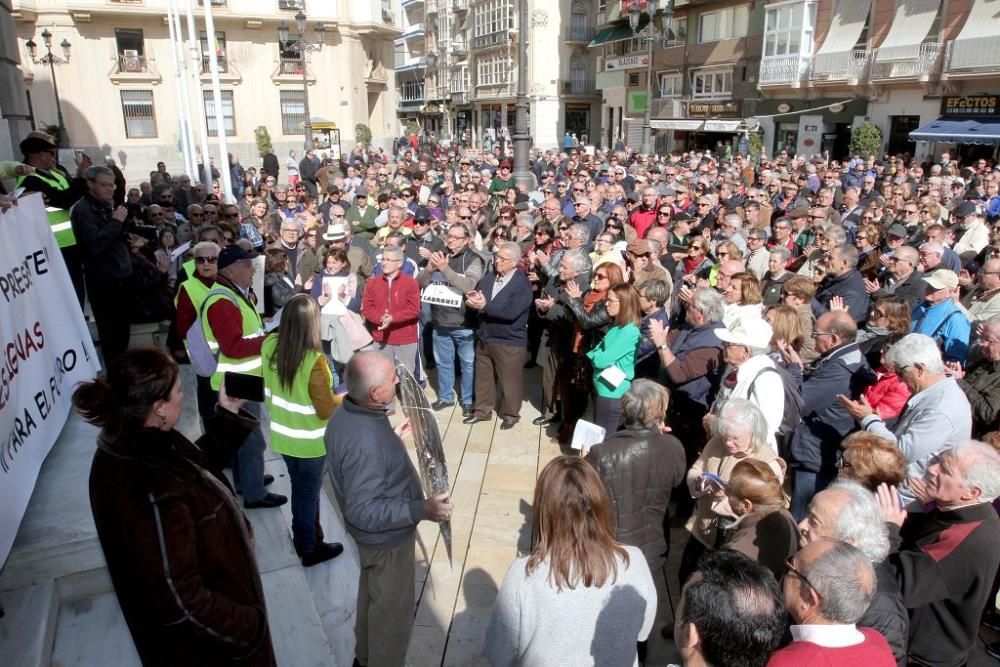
(179, 251)
(586, 435)
(613, 375)
(334, 306)
(258, 281)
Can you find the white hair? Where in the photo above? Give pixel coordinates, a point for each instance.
(913, 349)
(845, 580)
(861, 521)
(741, 413)
(982, 467)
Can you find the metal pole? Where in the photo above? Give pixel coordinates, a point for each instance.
(195, 52)
(305, 94)
(521, 138)
(63, 137)
(647, 148)
(182, 118)
(220, 127)
(191, 168)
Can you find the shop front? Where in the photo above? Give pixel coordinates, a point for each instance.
(969, 125)
(807, 127)
(705, 125)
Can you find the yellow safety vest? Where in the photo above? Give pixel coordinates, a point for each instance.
(197, 291)
(253, 327)
(296, 429)
(58, 217)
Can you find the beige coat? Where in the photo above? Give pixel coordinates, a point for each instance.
(714, 459)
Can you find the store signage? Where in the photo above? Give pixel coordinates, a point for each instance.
(970, 105)
(784, 107)
(713, 110)
(626, 62)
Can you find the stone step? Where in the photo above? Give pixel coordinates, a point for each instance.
(27, 628)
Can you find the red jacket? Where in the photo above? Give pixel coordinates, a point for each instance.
(401, 298)
(641, 220)
(888, 395)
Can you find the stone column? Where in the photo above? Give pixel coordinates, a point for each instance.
(15, 121)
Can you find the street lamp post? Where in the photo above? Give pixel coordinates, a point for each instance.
(650, 33)
(52, 60)
(299, 45)
(521, 138)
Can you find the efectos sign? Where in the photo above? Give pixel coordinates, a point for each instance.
(970, 105)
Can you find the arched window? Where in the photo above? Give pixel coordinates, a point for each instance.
(579, 20)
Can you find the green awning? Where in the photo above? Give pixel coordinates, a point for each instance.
(616, 33)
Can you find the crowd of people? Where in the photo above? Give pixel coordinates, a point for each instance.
(800, 357)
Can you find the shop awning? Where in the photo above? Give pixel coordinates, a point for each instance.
(846, 27)
(975, 46)
(617, 33)
(722, 125)
(910, 26)
(676, 124)
(960, 131)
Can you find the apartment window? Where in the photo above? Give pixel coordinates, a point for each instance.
(207, 46)
(493, 70)
(711, 84)
(788, 29)
(140, 118)
(131, 55)
(228, 115)
(624, 47)
(677, 35)
(671, 85)
(493, 16)
(460, 79)
(293, 112)
(723, 24)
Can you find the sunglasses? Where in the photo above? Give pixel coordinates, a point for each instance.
(206, 260)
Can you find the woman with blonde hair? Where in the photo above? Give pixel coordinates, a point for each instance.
(739, 433)
(787, 327)
(580, 597)
(764, 530)
(297, 389)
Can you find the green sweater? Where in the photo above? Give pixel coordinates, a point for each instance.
(617, 348)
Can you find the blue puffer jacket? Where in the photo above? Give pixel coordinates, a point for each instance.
(825, 422)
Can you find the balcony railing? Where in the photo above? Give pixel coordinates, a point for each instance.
(783, 69)
(411, 96)
(290, 66)
(843, 66)
(221, 60)
(579, 33)
(901, 61)
(963, 56)
(498, 38)
(578, 87)
(132, 64)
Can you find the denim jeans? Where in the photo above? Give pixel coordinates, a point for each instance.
(306, 476)
(248, 464)
(446, 343)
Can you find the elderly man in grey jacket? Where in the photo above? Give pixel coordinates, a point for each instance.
(380, 497)
(936, 417)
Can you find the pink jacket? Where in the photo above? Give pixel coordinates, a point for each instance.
(888, 395)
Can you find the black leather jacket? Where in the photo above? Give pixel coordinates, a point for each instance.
(640, 468)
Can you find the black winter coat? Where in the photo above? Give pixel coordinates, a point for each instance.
(640, 469)
(178, 547)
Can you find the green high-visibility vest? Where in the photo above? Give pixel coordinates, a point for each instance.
(189, 267)
(296, 429)
(252, 328)
(197, 291)
(58, 217)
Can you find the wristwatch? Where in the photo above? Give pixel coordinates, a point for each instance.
(663, 346)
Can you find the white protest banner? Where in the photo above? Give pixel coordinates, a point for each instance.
(45, 350)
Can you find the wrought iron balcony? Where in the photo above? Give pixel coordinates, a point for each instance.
(290, 66)
(132, 64)
(783, 69)
(579, 33)
(221, 60)
(904, 61)
(578, 87)
(843, 66)
(498, 38)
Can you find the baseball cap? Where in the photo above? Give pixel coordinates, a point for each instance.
(897, 230)
(232, 254)
(422, 214)
(965, 209)
(938, 279)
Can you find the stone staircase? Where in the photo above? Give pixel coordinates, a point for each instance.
(60, 605)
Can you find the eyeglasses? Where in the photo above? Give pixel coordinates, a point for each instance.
(541, 233)
(664, 213)
(206, 260)
(817, 334)
(465, 217)
(791, 569)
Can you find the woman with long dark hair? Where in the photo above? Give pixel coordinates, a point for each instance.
(178, 547)
(297, 388)
(580, 597)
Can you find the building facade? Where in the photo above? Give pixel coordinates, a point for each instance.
(896, 63)
(119, 91)
(461, 56)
